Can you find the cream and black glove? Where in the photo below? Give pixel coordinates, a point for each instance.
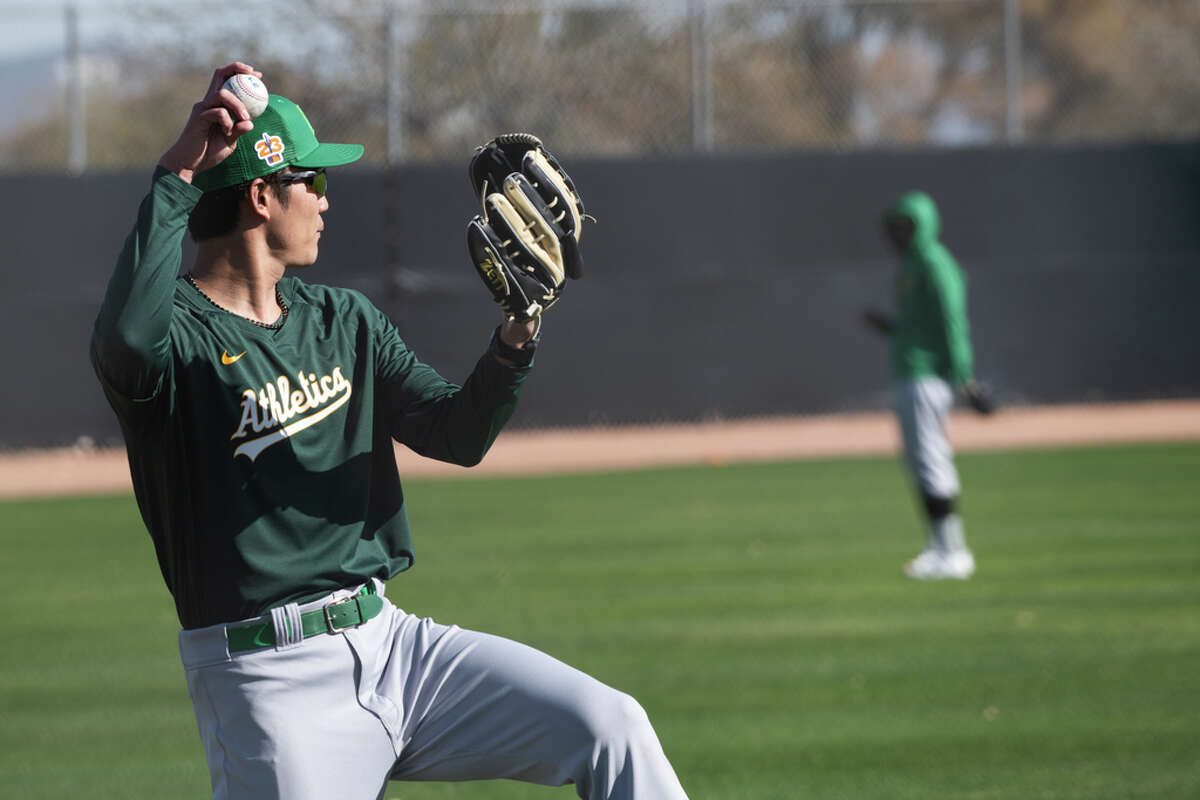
(525, 243)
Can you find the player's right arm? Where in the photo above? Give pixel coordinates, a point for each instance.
(130, 342)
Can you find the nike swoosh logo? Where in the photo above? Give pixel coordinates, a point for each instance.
(227, 359)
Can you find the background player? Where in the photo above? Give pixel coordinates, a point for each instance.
(258, 413)
(930, 356)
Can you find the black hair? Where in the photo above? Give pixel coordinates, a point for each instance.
(217, 212)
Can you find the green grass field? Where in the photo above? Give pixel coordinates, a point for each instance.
(758, 612)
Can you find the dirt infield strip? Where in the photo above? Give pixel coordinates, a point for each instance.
(46, 473)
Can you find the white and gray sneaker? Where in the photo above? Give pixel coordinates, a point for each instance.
(936, 565)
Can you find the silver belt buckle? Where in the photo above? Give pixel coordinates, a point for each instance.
(329, 620)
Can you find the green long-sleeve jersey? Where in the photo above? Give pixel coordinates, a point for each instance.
(930, 334)
(262, 458)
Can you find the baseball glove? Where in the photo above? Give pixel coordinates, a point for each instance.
(979, 397)
(525, 243)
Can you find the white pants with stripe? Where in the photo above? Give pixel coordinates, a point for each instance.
(922, 405)
(404, 698)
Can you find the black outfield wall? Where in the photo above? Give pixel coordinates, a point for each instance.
(722, 287)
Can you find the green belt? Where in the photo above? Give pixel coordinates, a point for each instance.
(338, 615)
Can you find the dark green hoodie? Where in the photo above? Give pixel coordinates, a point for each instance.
(931, 335)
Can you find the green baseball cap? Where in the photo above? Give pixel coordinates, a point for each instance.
(282, 137)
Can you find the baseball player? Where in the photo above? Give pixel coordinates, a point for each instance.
(931, 358)
(259, 413)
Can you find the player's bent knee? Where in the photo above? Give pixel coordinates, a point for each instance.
(615, 716)
(629, 714)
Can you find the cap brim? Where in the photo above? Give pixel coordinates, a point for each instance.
(328, 154)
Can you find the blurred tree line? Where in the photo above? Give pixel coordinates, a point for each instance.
(426, 80)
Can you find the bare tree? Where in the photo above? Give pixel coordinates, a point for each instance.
(616, 79)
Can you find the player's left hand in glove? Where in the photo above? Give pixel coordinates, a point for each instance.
(525, 243)
(978, 397)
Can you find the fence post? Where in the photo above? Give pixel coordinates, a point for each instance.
(396, 83)
(76, 123)
(702, 122)
(1013, 123)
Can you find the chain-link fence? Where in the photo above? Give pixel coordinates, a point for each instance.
(107, 85)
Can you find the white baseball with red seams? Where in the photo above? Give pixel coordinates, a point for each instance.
(250, 90)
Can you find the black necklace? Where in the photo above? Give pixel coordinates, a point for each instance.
(268, 325)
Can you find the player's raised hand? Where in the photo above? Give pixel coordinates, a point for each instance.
(213, 128)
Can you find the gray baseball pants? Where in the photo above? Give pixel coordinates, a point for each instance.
(922, 405)
(405, 698)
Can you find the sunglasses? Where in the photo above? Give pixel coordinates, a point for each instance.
(313, 177)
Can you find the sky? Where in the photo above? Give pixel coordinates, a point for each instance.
(29, 28)
(32, 29)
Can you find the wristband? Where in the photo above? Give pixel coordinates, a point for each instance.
(517, 356)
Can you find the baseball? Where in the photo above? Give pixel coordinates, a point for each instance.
(250, 90)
